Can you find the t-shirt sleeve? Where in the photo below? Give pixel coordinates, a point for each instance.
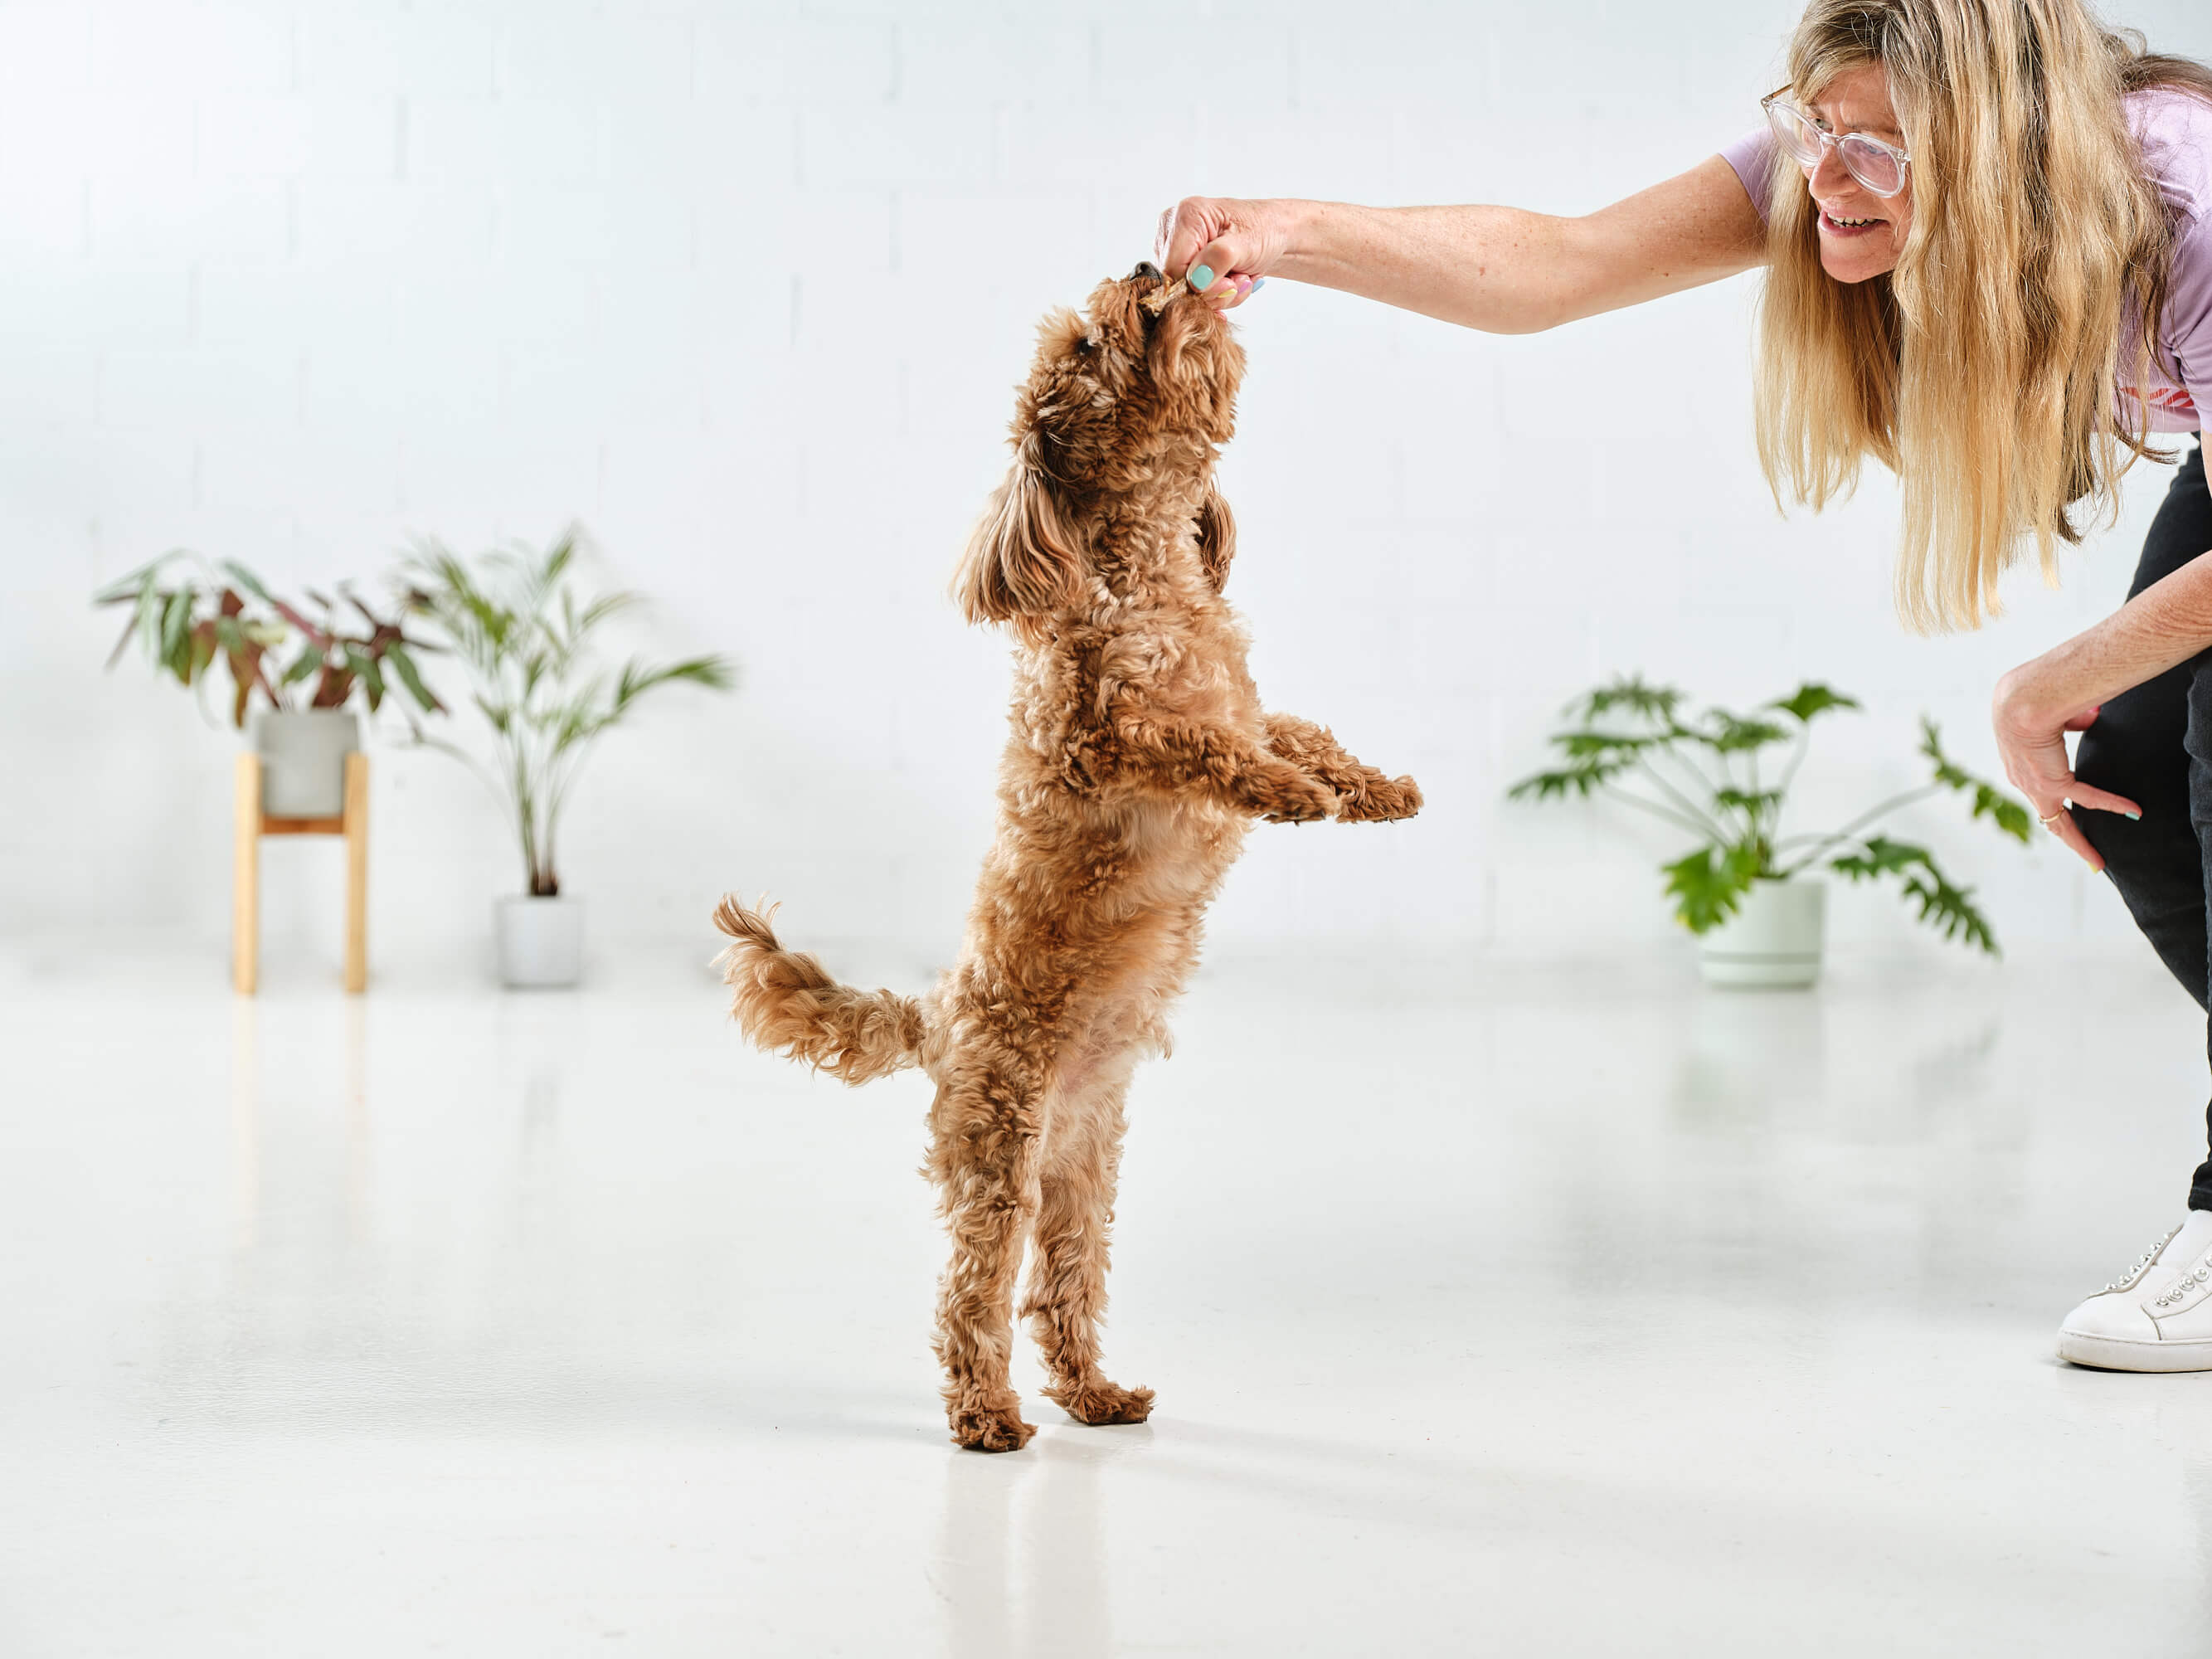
(1752, 158)
(2186, 329)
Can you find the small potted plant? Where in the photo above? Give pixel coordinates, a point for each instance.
(186, 620)
(1747, 891)
(516, 623)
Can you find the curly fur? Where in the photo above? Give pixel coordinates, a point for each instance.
(1139, 756)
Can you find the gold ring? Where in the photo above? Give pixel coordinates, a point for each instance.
(2053, 818)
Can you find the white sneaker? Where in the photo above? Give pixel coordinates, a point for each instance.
(2157, 1317)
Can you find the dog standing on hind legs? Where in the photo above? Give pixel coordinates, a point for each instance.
(1139, 754)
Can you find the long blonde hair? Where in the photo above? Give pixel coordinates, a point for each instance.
(1982, 371)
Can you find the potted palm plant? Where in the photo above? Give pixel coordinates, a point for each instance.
(188, 615)
(514, 621)
(1747, 890)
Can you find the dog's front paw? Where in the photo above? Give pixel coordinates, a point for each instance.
(1291, 797)
(989, 1428)
(1101, 1402)
(1379, 799)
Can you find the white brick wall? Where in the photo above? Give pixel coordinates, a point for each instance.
(745, 289)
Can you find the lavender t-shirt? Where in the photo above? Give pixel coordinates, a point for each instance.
(2175, 130)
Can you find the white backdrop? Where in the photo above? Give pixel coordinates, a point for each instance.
(744, 289)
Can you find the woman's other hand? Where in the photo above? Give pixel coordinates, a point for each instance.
(1223, 247)
(2032, 718)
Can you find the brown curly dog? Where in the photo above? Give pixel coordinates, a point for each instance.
(1139, 754)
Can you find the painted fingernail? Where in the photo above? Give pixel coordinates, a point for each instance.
(1259, 285)
(1201, 277)
(2137, 817)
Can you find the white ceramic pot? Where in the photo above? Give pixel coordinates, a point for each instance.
(541, 941)
(1774, 941)
(303, 761)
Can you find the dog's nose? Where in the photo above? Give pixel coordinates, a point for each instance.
(1146, 271)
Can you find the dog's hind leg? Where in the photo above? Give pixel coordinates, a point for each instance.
(983, 1154)
(1065, 1301)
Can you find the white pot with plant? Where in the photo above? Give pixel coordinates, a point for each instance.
(1749, 892)
(516, 623)
(185, 620)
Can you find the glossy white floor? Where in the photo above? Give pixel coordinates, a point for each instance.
(1531, 1311)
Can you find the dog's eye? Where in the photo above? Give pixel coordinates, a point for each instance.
(1088, 343)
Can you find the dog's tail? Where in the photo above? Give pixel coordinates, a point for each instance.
(786, 1003)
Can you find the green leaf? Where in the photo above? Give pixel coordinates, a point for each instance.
(1656, 703)
(1810, 700)
(1732, 734)
(176, 647)
(1753, 802)
(1582, 780)
(1576, 745)
(601, 608)
(1948, 908)
(364, 668)
(410, 677)
(1708, 889)
(2010, 816)
(1881, 857)
(152, 601)
(558, 558)
(713, 673)
(306, 664)
(127, 589)
(245, 579)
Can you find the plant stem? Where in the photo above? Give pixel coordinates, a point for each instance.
(1702, 821)
(1705, 830)
(1850, 831)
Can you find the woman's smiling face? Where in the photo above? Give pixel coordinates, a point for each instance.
(1861, 234)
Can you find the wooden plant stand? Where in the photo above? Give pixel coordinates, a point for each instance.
(352, 823)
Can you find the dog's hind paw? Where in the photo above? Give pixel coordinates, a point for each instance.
(990, 1428)
(1102, 1402)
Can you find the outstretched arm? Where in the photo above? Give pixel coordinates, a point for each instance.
(1499, 268)
(1364, 794)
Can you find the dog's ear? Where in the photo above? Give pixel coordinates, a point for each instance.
(1217, 537)
(1022, 557)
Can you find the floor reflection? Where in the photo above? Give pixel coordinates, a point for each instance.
(1022, 1546)
(1748, 1057)
(360, 1144)
(246, 1121)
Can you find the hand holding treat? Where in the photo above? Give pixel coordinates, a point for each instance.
(1224, 248)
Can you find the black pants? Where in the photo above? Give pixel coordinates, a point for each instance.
(2153, 745)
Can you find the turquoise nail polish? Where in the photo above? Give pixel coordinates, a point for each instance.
(1201, 278)
(2135, 817)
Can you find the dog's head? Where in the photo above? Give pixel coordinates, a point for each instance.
(1125, 403)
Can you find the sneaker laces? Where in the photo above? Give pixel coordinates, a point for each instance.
(2142, 1263)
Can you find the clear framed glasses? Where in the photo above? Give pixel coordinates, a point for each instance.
(1881, 167)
